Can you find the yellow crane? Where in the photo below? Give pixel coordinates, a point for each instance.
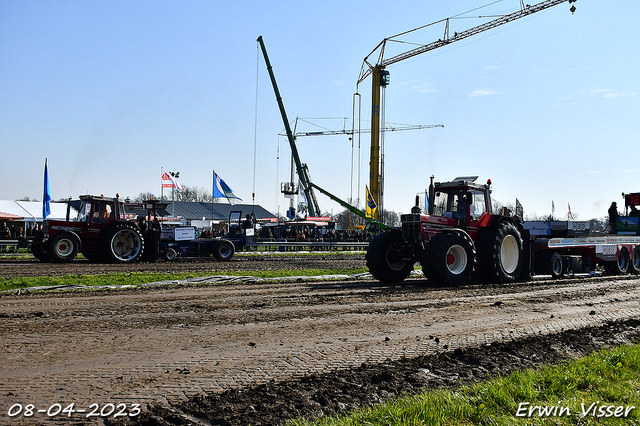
(380, 76)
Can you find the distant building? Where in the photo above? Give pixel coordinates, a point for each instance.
(218, 212)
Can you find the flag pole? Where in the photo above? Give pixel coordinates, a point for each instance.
(46, 195)
(213, 200)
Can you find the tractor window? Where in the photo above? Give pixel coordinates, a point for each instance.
(478, 204)
(123, 215)
(440, 203)
(102, 211)
(84, 212)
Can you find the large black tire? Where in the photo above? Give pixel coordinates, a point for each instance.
(549, 263)
(619, 266)
(634, 265)
(63, 247)
(500, 253)
(123, 243)
(224, 250)
(449, 258)
(39, 251)
(383, 259)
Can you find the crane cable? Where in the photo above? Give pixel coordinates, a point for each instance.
(255, 132)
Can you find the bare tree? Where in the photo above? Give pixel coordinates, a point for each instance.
(391, 218)
(144, 196)
(194, 193)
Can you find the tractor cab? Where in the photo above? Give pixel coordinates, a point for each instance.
(100, 210)
(462, 200)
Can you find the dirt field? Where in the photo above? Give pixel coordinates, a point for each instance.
(265, 351)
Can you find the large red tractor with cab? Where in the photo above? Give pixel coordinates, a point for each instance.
(458, 236)
(100, 232)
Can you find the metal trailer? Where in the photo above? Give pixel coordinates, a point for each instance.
(618, 254)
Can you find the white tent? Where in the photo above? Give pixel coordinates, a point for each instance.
(31, 211)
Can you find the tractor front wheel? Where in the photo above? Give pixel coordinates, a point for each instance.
(383, 259)
(63, 247)
(449, 258)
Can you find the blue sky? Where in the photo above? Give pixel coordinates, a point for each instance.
(111, 91)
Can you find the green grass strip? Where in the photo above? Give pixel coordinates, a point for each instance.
(144, 278)
(601, 388)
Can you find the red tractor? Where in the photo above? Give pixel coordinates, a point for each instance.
(458, 237)
(101, 232)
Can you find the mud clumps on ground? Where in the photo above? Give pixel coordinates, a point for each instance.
(338, 392)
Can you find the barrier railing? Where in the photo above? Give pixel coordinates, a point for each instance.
(307, 246)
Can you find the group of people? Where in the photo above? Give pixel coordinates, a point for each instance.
(15, 232)
(613, 215)
(155, 225)
(316, 234)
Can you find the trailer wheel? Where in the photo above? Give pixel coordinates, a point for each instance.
(549, 263)
(619, 266)
(170, 254)
(635, 260)
(500, 253)
(449, 258)
(383, 259)
(63, 247)
(122, 243)
(224, 250)
(555, 264)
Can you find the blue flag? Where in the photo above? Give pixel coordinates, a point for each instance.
(222, 190)
(46, 197)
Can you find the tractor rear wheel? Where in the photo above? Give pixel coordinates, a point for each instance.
(63, 247)
(449, 258)
(500, 253)
(224, 250)
(383, 259)
(122, 243)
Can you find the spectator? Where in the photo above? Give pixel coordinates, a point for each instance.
(613, 215)
(4, 231)
(155, 225)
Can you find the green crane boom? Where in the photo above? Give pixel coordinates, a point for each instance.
(303, 175)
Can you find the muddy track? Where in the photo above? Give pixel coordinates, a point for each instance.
(261, 352)
(241, 262)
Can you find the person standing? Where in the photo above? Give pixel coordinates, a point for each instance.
(613, 215)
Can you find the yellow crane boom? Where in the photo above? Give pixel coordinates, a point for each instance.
(380, 76)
